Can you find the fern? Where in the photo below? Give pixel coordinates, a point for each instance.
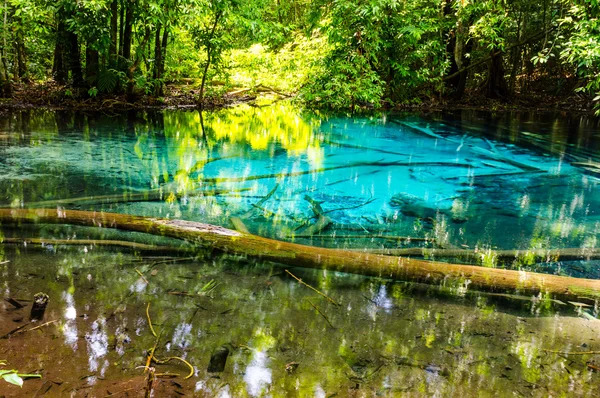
(108, 80)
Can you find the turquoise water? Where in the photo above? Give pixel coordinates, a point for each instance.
(444, 181)
(473, 182)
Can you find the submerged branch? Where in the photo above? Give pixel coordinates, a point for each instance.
(555, 255)
(127, 197)
(342, 166)
(97, 242)
(292, 254)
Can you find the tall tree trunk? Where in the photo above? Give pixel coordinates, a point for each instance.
(59, 67)
(209, 49)
(5, 86)
(121, 27)
(75, 60)
(114, 14)
(517, 53)
(136, 63)
(161, 66)
(457, 46)
(92, 65)
(157, 60)
(496, 86)
(20, 56)
(127, 32)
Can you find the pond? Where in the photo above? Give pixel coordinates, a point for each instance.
(518, 191)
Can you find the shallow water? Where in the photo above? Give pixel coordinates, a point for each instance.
(470, 181)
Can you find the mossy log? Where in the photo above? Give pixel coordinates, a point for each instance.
(403, 268)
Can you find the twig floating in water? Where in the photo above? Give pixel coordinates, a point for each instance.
(320, 312)
(151, 355)
(15, 330)
(179, 359)
(310, 287)
(38, 327)
(149, 320)
(144, 279)
(574, 352)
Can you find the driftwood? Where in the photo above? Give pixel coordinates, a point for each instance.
(228, 241)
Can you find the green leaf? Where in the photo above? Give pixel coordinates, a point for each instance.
(13, 378)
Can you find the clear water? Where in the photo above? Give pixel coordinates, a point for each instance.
(467, 181)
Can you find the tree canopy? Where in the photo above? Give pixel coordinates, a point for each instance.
(333, 53)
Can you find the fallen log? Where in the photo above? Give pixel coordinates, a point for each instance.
(228, 241)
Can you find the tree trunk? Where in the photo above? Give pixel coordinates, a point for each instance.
(208, 57)
(121, 27)
(496, 86)
(136, 63)
(252, 246)
(161, 66)
(157, 53)
(127, 32)
(20, 56)
(160, 48)
(92, 65)
(5, 85)
(59, 66)
(75, 60)
(114, 14)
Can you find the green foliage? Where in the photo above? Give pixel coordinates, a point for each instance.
(109, 79)
(13, 377)
(285, 69)
(335, 53)
(382, 49)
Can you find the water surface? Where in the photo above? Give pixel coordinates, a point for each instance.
(479, 183)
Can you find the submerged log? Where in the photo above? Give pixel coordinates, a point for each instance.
(228, 241)
(565, 254)
(142, 247)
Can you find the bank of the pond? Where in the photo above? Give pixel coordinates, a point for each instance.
(181, 96)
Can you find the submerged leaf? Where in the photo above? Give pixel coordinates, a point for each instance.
(13, 378)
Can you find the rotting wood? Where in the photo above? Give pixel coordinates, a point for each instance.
(292, 254)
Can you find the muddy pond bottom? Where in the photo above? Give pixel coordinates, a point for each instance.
(234, 328)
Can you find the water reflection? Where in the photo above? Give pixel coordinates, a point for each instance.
(422, 341)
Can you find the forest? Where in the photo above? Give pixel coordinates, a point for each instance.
(336, 54)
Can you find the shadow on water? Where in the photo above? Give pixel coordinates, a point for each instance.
(518, 191)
